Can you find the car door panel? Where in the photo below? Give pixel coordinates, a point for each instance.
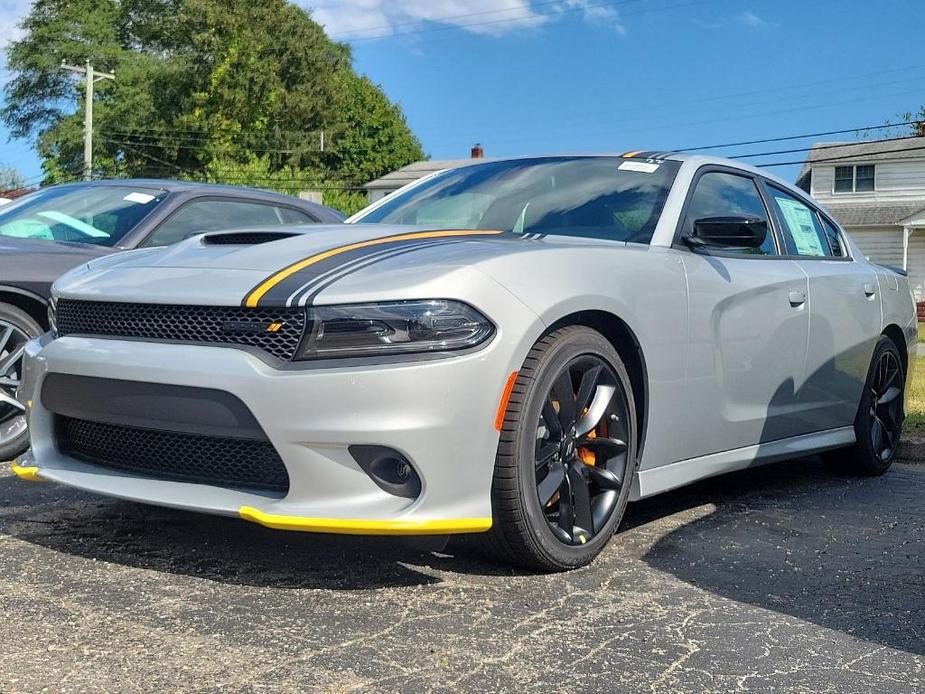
(749, 327)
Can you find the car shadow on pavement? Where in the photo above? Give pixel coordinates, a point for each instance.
(841, 552)
(225, 550)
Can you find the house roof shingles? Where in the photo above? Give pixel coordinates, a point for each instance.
(415, 171)
(850, 152)
(873, 213)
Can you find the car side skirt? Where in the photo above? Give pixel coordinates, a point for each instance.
(667, 477)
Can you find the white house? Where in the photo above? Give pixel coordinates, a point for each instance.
(378, 189)
(876, 191)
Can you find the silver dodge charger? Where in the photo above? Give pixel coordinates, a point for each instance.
(515, 349)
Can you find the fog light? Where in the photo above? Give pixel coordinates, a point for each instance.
(389, 469)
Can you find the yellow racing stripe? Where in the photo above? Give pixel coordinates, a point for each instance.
(356, 526)
(630, 155)
(254, 297)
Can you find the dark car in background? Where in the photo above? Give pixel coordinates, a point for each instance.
(44, 234)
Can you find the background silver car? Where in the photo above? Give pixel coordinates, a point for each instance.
(517, 348)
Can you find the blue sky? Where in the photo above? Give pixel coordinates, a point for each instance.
(540, 76)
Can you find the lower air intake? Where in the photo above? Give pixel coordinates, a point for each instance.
(216, 461)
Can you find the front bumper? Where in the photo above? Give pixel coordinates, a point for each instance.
(439, 414)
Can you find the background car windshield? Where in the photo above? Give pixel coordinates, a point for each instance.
(99, 215)
(596, 197)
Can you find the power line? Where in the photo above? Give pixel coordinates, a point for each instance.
(801, 137)
(843, 157)
(817, 147)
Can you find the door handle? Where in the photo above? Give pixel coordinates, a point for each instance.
(869, 289)
(797, 298)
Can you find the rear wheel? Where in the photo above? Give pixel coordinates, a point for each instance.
(879, 422)
(16, 328)
(567, 453)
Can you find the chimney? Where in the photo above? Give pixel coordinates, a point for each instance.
(477, 151)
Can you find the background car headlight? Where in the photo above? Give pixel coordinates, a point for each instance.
(399, 327)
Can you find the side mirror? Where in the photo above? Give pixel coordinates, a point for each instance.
(743, 231)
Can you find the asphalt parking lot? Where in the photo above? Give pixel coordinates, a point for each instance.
(784, 578)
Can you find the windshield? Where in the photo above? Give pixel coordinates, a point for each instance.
(596, 197)
(99, 215)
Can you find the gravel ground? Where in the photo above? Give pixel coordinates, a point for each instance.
(786, 578)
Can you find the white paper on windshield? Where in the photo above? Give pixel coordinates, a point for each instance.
(142, 198)
(641, 166)
(799, 220)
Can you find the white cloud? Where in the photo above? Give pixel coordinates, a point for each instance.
(750, 19)
(11, 14)
(357, 19)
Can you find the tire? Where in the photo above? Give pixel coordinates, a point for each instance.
(525, 530)
(880, 409)
(15, 326)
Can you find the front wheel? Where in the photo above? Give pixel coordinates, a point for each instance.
(879, 421)
(16, 328)
(567, 453)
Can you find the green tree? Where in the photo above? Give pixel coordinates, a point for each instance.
(10, 179)
(228, 90)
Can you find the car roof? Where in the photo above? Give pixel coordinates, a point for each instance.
(323, 213)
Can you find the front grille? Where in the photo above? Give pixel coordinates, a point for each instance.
(217, 461)
(230, 325)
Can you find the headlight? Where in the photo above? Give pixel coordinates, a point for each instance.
(53, 316)
(399, 327)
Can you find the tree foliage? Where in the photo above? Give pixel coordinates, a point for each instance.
(223, 90)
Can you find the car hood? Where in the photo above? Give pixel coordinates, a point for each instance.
(33, 265)
(326, 265)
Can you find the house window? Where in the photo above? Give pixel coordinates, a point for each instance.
(854, 179)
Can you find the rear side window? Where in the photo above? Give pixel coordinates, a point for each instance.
(802, 231)
(215, 214)
(719, 194)
(834, 238)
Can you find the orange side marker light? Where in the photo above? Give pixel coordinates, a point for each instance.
(505, 397)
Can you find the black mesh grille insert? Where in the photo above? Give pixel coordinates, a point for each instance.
(222, 462)
(251, 238)
(209, 324)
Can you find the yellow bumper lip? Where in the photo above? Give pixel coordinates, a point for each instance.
(352, 526)
(30, 474)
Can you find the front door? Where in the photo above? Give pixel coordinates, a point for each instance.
(748, 330)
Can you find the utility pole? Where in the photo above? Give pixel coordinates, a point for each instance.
(91, 77)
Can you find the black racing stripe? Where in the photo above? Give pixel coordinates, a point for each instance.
(384, 250)
(307, 300)
(329, 278)
(280, 293)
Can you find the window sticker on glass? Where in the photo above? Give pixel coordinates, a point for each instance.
(799, 219)
(141, 198)
(640, 166)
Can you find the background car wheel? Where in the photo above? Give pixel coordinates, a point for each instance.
(16, 328)
(879, 422)
(567, 454)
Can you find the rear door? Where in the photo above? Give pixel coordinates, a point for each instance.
(844, 311)
(748, 328)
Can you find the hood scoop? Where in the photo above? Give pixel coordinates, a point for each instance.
(245, 238)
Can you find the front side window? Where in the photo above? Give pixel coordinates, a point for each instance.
(854, 179)
(594, 197)
(97, 215)
(803, 232)
(719, 194)
(215, 214)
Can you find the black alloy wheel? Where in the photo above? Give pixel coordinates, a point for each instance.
(566, 455)
(879, 421)
(580, 459)
(16, 329)
(886, 406)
